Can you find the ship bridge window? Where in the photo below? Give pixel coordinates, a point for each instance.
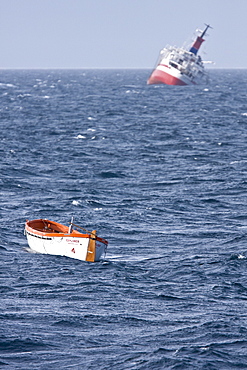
(173, 65)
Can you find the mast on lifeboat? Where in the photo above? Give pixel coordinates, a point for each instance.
(199, 40)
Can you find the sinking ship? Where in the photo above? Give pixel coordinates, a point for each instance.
(178, 66)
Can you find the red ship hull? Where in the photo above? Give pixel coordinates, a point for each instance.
(161, 77)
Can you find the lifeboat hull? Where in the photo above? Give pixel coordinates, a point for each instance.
(49, 237)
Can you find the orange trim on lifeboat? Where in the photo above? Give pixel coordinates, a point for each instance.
(53, 229)
(91, 249)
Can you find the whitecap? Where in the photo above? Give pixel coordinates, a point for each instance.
(243, 114)
(132, 92)
(76, 202)
(23, 95)
(117, 257)
(241, 257)
(80, 137)
(7, 85)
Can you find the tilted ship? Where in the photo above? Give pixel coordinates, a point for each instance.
(178, 66)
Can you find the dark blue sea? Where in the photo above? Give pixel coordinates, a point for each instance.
(161, 173)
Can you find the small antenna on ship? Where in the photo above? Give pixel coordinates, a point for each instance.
(204, 32)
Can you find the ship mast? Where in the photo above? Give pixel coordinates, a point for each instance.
(199, 40)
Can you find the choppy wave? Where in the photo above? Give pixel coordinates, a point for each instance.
(160, 172)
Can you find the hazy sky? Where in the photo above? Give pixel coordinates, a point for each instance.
(117, 33)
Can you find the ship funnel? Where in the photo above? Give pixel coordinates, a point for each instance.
(199, 40)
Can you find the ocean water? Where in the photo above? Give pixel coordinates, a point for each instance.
(161, 173)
